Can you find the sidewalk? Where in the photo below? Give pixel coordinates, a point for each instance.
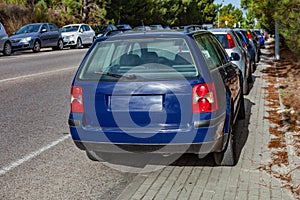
(261, 173)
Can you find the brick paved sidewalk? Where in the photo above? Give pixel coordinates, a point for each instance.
(249, 179)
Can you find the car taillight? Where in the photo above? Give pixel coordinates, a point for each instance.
(204, 98)
(249, 35)
(76, 99)
(230, 40)
(245, 45)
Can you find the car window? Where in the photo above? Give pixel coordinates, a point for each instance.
(237, 39)
(44, 26)
(222, 39)
(86, 28)
(222, 54)
(209, 53)
(53, 27)
(146, 58)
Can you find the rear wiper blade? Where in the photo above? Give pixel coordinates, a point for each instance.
(130, 76)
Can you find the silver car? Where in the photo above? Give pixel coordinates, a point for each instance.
(78, 35)
(238, 54)
(5, 43)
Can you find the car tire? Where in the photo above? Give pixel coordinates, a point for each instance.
(242, 112)
(227, 157)
(7, 49)
(93, 156)
(36, 46)
(245, 86)
(78, 43)
(60, 45)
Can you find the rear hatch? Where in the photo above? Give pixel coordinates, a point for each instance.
(134, 105)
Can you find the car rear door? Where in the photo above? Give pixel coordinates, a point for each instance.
(54, 35)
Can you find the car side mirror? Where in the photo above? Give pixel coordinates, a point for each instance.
(234, 57)
(44, 30)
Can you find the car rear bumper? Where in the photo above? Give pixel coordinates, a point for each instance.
(196, 148)
(208, 136)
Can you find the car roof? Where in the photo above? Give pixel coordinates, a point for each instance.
(157, 33)
(75, 24)
(217, 30)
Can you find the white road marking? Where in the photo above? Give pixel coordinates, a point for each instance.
(32, 155)
(37, 74)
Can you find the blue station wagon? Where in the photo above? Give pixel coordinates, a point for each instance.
(159, 92)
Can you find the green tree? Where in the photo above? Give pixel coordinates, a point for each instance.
(230, 14)
(286, 12)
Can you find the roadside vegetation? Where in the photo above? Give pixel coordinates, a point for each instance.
(260, 14)
(286, 12)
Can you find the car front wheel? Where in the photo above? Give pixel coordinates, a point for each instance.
(7, 50)
(79, 44)
(36, 46)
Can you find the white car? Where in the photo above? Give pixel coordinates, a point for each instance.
(77, 35)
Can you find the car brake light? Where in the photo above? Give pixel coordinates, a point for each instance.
(230, 40)
(76, 99)
(204, 98)
(249, 35)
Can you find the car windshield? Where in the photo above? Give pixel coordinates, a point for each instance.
(140, 59)
(69, 29)
(29, 29)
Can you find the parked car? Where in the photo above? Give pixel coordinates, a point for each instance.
(142, 28)
(238, 54)
(37, 36)
(140, 92)
(250, 48)
(253, 42)
(5, 43)
(78, 35)
(124, 27)
(156, 27)
(261, 37)
(101, 30)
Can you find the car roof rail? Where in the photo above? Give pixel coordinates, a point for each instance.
(192, 28)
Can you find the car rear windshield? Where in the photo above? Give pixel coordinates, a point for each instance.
(223, 40)
(139, 59)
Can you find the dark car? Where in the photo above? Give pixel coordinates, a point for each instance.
(252, 40)
(103, 29)
(260, 36)
(162, 92)
(37, 36)
(124, 27)
(250, 48)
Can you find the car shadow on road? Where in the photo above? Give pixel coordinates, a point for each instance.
(240, 131)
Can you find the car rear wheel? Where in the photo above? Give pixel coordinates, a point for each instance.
(227, 157)
(7, 50)
(242, 112)
(245, 86)
(36, 46)
(93, 156)
(60, 45)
